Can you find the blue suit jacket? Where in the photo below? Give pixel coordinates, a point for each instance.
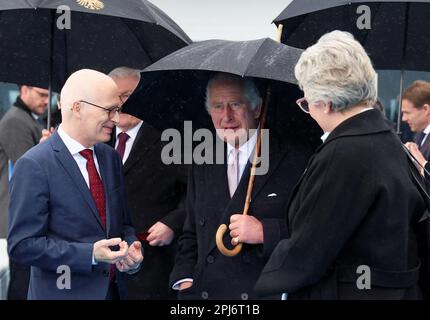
(53, 220)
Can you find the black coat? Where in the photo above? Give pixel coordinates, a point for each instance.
(209, 205)
(156, 192)
(356, 205)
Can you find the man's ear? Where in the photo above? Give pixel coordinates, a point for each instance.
(76, 108)
(426, 108)
(257, 110)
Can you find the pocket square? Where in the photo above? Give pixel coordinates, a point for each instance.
(272, 195)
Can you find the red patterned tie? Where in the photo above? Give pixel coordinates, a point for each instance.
(96, 184)
(122, 139)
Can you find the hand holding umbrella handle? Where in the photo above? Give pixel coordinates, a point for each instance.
(221, 247)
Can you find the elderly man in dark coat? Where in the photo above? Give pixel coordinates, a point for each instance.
(354, 214)
(216, 194)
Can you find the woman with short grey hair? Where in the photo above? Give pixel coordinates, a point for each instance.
(354, 214)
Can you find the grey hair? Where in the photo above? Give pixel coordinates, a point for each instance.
(124, 72)
(251, 91)
(337, 69)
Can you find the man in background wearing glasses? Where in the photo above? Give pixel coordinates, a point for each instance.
(68, 215)
(20, 130)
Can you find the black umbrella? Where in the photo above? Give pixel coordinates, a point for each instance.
(103, 34)
(172, 90)
(397, 38)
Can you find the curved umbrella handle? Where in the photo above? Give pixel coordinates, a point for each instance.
(220, 244)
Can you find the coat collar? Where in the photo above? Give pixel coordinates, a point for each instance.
(365, 123)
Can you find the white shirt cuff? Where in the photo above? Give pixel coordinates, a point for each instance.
(177, 283)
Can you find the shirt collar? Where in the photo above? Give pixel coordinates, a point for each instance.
(325, 136)
(72, 145)
(247, 148)
(132, 133)
(427, 130)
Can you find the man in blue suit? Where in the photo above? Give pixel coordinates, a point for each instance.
(68, 216)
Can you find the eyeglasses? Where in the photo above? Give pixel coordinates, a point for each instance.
(124, 97)
(303, 104)
(233, 105)
(111, 111)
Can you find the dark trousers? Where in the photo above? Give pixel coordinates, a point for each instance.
(113, 292)
(19, 280)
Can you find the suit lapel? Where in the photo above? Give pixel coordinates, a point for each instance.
(235, 205)
(145, 138)
(70, 166)
(425, 149)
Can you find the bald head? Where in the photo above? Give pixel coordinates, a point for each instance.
(87, 85)
(86, 100)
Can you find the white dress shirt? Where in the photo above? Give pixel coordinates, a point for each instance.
(426, 132)
(74, 148)
(132, 133)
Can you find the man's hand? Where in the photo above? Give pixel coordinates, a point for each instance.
(132, 260)
(46, 134)
(245, 229)
(160, 235)
(413, 148)
(102, 252)
(185, 285)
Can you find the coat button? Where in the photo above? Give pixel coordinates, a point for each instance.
(202, 222)
(246, 259)
(244, 296)
(210, 259)
(205, 295)
(106, 273)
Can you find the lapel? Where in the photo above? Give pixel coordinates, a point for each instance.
(425, 149)
(145, 138)
(70, 166)
(236, 204)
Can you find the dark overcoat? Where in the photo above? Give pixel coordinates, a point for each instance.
(209, 205)
(356, 205)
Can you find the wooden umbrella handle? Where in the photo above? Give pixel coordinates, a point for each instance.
(223, 228)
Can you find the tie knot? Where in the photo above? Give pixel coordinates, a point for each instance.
(123, 137)
(87, 154)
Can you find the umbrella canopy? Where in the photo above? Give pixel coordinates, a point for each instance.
(397, 38)
(103, 34)
(173, 89)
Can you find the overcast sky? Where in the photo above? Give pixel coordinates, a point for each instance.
(224, 19)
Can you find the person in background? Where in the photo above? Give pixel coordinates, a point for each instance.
(20, 129)
(416, 113)
(155, 192)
